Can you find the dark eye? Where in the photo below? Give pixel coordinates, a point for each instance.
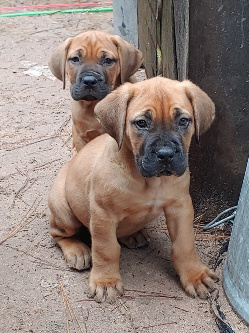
(75, 59)
(184, 122)
(108, 61)
(141, 123)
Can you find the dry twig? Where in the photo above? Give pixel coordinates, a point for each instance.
(147, 255)
(39, 259)
(23, 143)
(38, 167)
(143, 293)
(24, 221)
(156, 325)
(28, 182)
(69, 309)
(211, 237)
(123, 307)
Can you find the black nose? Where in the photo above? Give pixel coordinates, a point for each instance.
(89, 80)
(165, 153)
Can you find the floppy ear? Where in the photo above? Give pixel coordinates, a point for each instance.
(203, 106)
(131, 58)
(111, 111)
(58, 60)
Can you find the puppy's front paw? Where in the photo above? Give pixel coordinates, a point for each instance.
(107, 290)
(138, 239)
(198, 280)
(77, 255)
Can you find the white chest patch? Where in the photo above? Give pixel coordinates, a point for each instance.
(155, 206)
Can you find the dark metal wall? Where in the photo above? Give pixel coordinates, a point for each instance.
(219, 63)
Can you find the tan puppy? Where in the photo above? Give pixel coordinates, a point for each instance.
(122, 180)
(95, 63)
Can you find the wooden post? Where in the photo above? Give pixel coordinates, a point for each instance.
(148, 34)
(163, 37)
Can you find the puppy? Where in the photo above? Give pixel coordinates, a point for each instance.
(121, 181)
(95, 63)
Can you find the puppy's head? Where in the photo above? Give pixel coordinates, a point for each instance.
(95, 63)
(156, 119)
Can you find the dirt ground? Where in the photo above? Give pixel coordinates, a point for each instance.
(38, 293)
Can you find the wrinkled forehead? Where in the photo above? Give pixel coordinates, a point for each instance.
(93, 45)
(159, 97)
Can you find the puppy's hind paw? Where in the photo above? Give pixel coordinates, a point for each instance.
(78, 255)
(138, 239)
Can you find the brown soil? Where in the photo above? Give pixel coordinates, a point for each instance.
(38, 292)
